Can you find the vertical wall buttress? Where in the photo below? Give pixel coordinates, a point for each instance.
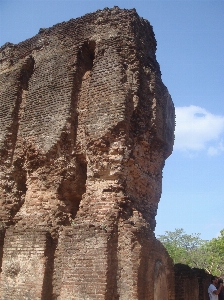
(73, 185)
(18, 173)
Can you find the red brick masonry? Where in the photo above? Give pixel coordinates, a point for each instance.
(86, 125)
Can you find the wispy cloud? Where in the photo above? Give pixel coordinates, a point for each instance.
(197, 129)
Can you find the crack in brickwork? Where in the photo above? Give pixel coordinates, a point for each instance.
(112, 262)
(47, 289)
(2, 236)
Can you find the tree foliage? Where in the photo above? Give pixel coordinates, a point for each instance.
(195, 252)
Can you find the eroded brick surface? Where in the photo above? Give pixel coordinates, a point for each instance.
(86, 125)
(191, 283)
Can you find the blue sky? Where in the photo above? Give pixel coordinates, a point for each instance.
(190, 37)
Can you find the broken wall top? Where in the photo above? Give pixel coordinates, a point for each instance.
(86, 122)
(118, 41)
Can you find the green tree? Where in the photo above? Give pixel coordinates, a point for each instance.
(195, 252)
(213, 253)
(182, 247)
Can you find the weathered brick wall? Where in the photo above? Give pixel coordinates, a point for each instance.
(27, 264)
(86, 125)
(191, 283)
(101, 262)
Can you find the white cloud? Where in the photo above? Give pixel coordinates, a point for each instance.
(197, 129)
(216, 150)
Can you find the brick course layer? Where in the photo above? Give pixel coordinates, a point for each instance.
(86, 126)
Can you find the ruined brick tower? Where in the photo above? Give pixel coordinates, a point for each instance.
(86, 125)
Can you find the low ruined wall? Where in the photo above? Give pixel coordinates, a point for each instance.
(191, 283)
(86, 126)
